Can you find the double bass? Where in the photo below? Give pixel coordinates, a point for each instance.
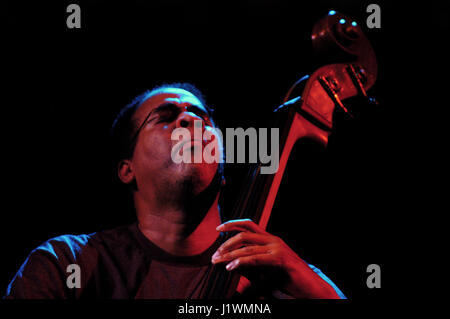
(351, 72)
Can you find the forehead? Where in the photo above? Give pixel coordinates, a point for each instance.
(175, 96)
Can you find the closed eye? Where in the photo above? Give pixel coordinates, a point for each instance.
(168, 112)
(199, 112)
(165, 113)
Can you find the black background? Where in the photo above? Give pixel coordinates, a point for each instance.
(341, 210)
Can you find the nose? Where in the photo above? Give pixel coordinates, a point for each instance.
(188, 119)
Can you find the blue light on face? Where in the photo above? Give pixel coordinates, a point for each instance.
(331, 13)
(342, 21)
(354, 24)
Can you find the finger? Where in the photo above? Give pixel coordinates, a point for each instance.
(243, 239)
(240, 225)
(237, 253)
(252, 261)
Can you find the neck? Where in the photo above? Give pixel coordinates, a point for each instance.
(184, 231)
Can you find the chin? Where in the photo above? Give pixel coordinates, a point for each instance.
(199, 175)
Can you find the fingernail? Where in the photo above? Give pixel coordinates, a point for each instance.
(232, 265)
(220, 227)
(215, 256)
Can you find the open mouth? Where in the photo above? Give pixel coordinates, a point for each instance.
(188, 145)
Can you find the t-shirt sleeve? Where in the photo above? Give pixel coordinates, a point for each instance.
(40, 277)
(45, 272)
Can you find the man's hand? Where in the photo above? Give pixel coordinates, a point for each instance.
(255, 250)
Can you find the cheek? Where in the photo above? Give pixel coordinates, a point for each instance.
(214, 150)
(152, 151)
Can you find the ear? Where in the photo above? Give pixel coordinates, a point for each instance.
(125, 171)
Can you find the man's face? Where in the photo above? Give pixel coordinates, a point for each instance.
(152, 164)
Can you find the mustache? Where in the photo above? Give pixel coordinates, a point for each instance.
(180, 145)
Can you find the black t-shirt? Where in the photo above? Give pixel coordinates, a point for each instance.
(119, 263)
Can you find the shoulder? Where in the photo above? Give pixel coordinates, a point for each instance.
(64, 246)
(44, 271)
(55, 254)
(71, 247)
(42, 274)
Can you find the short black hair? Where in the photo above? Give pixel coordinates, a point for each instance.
(124, 127)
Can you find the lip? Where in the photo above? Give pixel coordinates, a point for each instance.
(182, 145)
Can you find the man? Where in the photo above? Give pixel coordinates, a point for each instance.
(169, 251)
